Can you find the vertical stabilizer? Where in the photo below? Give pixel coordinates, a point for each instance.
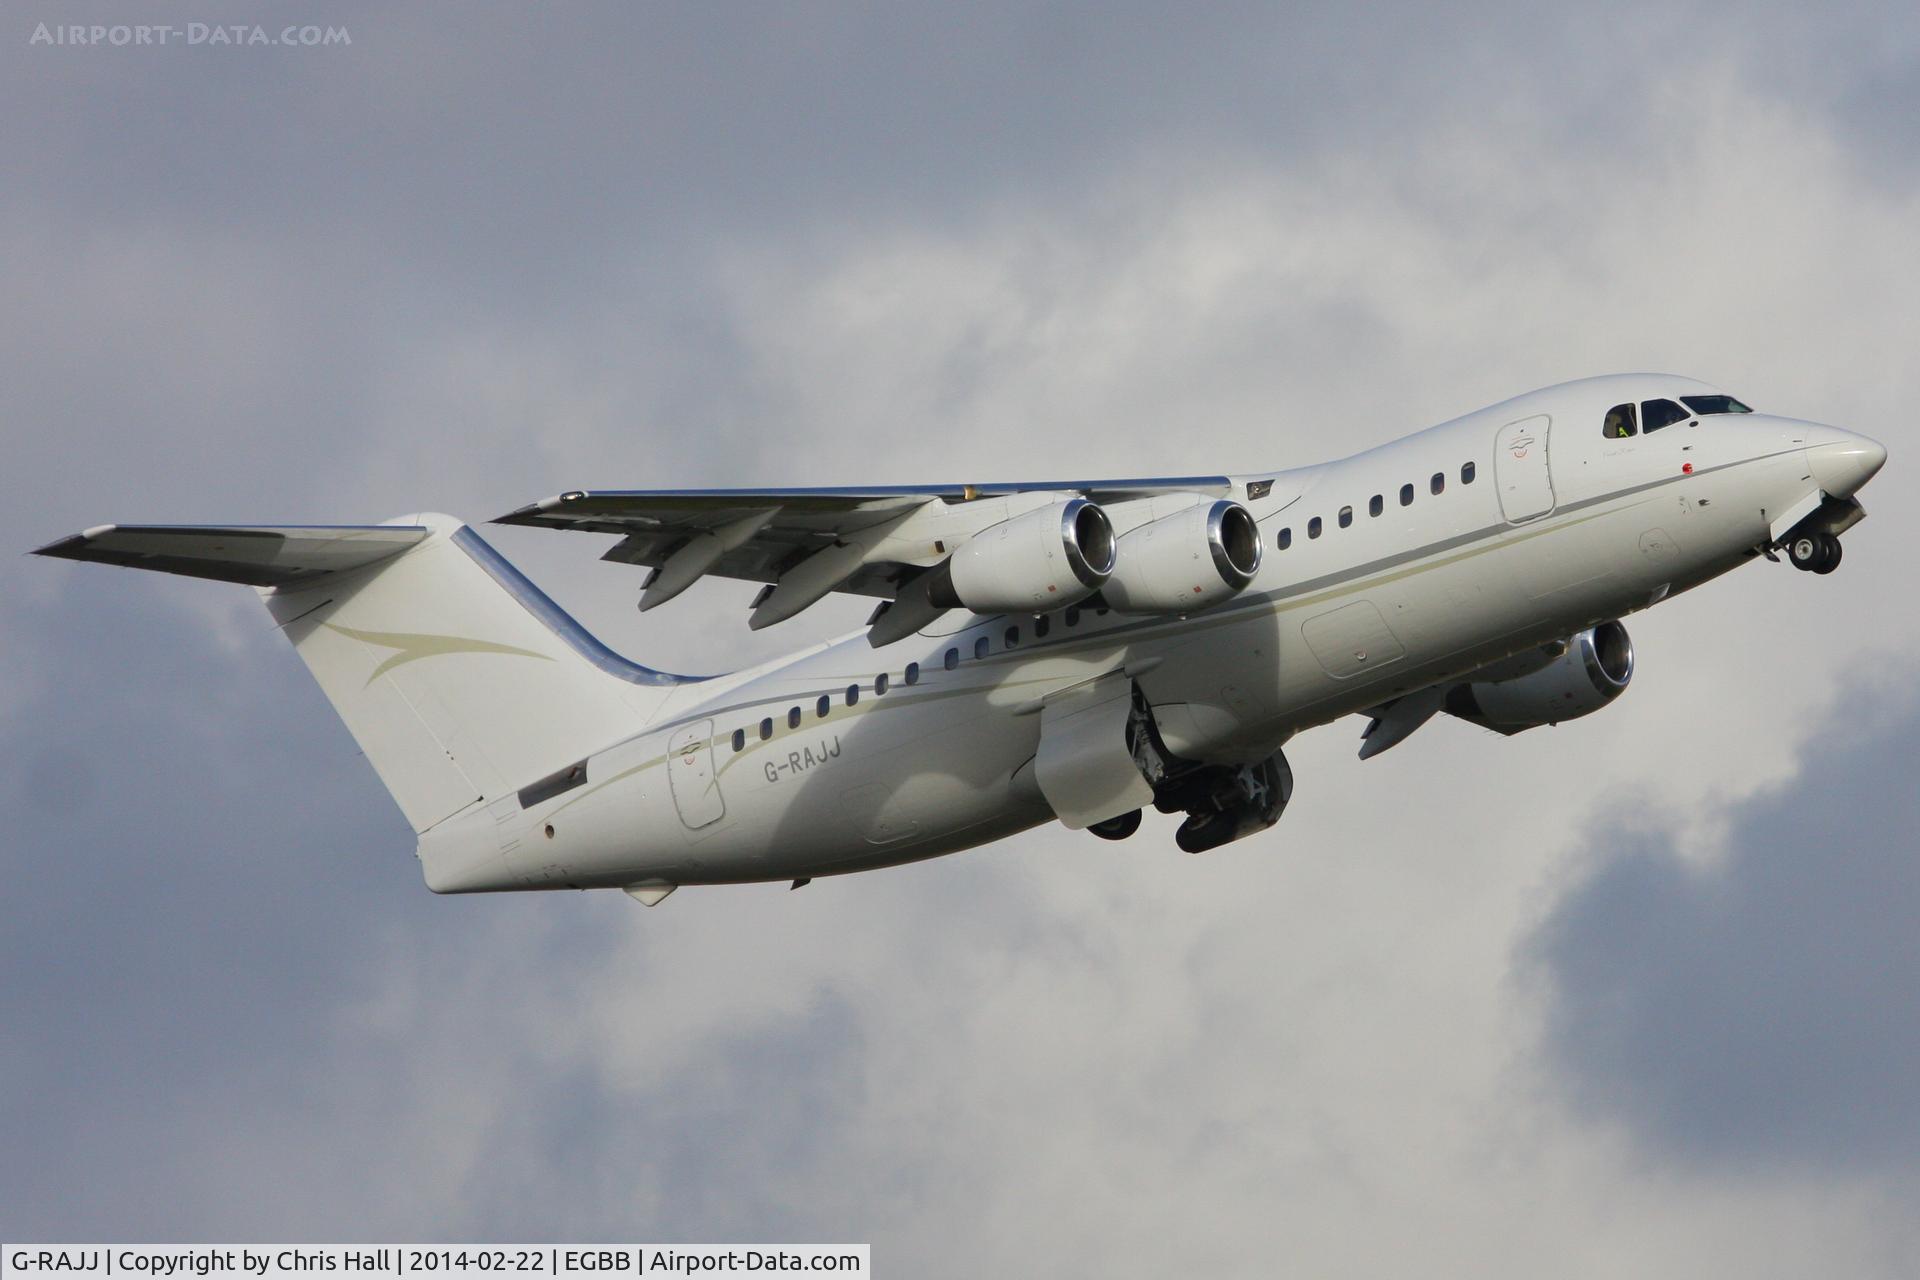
(460, 679)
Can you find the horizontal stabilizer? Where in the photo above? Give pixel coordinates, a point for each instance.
(257, 555)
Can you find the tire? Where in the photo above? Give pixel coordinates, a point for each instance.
(1117, 828)
(1829, 554)
(1200, 833)
(1806, 551)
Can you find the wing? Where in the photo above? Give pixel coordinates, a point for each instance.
(807, 543)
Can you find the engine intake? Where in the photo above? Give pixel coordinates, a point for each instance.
(1045, 559)
(1594, 670)
(1186, 562)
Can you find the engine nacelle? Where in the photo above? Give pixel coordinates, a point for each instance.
(1592, 672)
(1185, 562)
(1045, 559)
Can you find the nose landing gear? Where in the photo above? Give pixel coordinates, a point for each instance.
(1814, 552)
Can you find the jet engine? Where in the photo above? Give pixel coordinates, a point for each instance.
(1592, 672)
(1185, 562)
(1045, 559)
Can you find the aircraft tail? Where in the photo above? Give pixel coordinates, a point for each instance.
(461, 680)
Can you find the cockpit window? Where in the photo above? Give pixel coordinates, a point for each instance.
(1620, 423)
(1655, 414)
(1707, 406)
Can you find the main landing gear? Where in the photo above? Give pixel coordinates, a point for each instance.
(1814, 552)
(1223, 802)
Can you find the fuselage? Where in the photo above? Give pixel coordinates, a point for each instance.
(1387, 572)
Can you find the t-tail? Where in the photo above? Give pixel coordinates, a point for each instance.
(461, 681)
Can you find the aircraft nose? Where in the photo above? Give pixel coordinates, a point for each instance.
(1842, 466)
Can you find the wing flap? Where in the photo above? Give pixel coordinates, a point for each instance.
(256, 555)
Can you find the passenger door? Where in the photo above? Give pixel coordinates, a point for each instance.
(1520, 469)
(696, 792)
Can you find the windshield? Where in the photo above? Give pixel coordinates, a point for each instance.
(1706, 406)
(1657, 414)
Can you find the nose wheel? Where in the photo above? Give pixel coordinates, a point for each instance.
(1117, 828)
(1814, 552)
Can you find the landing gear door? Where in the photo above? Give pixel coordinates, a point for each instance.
(1084, 766)
(696, 792)
(1520, 469)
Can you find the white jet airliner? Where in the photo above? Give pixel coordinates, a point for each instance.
(1078, 650)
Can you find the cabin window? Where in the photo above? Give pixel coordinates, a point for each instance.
(1406, 495)
(1313, 527)
(853, 694)
(980, 648)
(823, 706)
(1041, 625)
(793, 717)
(766, 728)
(1706, 406)
(1012, 637)
(1438, 484)
(913, 673)
(1073, 616)
(1376, 505)
(1466, 473)
(1619, 423)
(739, 739)
(1286, 539)
(880, 683)
(1655, 414)
(952, 659)
(1346, 516)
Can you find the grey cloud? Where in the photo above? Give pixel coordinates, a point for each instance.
(1759, 1012)
(209, 899)
(516, 150)
(156, 845)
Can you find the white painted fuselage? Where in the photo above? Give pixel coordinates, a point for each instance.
(1385, 573)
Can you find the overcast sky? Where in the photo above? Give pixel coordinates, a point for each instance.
(1630, 996)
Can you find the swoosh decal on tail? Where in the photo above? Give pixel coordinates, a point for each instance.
(411, 647)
